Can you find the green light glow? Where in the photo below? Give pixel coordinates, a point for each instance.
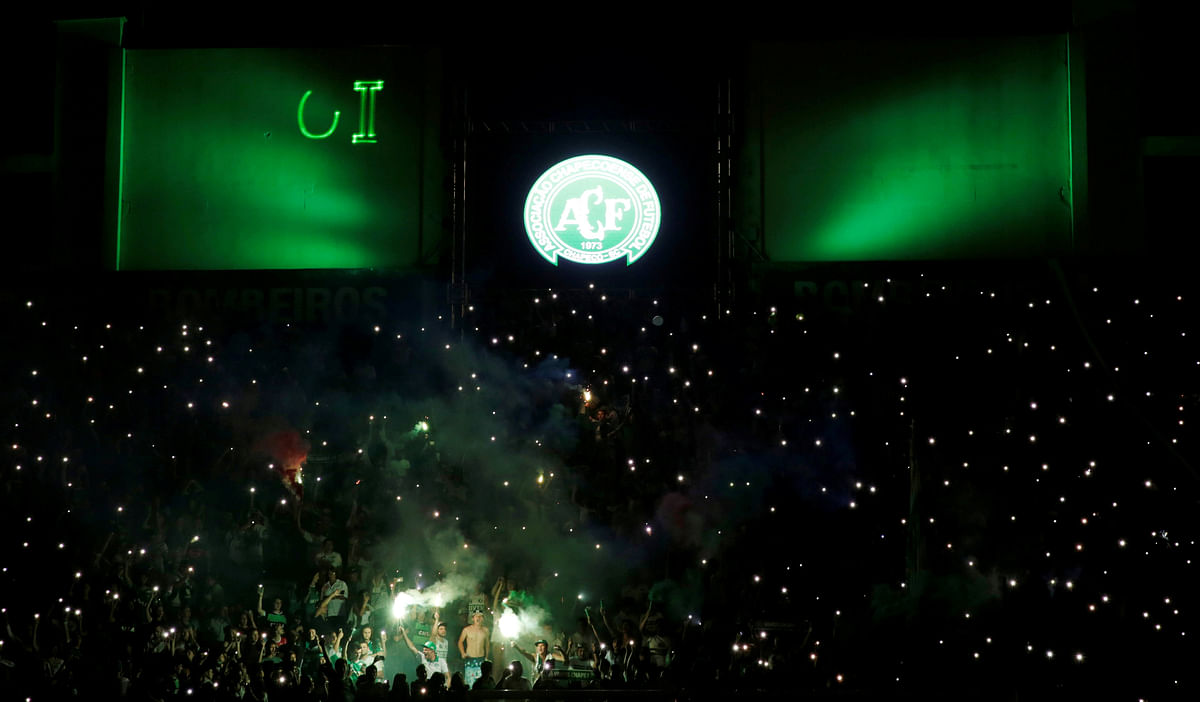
(906, 149)
(224, 171)
(304, 129)
(592, 209)
(366, 134)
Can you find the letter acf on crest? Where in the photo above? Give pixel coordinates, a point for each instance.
(578, 210)
(586, 198)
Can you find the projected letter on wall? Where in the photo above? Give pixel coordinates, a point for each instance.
(304, 128)
(366, 114)
(592, 209)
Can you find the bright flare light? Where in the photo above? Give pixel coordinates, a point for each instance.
(401, 604)
(509, 624)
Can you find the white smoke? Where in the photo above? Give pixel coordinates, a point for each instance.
(520, 624)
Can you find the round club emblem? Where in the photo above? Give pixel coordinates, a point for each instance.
(592, 209)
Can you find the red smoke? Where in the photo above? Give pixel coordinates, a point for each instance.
(678, 514)
(289, 451)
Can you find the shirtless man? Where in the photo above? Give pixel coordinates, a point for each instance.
(477, 643)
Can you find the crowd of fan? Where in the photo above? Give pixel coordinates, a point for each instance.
(175, 602)
(146, 580)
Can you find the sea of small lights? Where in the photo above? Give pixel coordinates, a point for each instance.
(923, 482)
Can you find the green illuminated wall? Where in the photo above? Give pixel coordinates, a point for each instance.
(915, 149)
(218, 172)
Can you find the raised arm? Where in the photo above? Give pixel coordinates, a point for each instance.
(523, 652)
(324, 604)
(123, 575)
(649, 606)
(8, 625)
(604, 618)
(321, 644)
(411, 647)
(497, 590)
(592, 626)
(100, 554)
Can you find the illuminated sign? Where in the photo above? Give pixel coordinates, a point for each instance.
(592, 209)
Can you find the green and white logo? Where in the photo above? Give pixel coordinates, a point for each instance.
(592, 209)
